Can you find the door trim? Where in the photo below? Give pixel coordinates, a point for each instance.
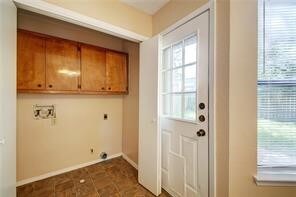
(210, 6)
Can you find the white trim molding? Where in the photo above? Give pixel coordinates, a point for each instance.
(54, 11)
(212, 108)
(61, 171)
(130, 161)
(275, 178)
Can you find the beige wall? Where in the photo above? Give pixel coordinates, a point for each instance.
(221, 113)
(111, 11)
(43, 147)
(42, 24)
(122, 15)
(242, 104)
(172, 12)
(131, 105)
(7, 98)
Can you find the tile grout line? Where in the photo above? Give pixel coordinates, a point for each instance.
(74, 184)
(92, 182)
(116, 187)
(112, 181)
(54, 194)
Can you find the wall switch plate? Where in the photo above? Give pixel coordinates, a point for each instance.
(105, 116)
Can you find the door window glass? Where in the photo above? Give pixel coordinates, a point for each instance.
(179, 78)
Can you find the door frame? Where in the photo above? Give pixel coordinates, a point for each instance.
(212, 163)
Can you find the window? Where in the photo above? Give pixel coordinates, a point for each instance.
(276, 89)
(179, 79)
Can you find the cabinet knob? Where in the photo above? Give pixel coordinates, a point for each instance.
(102, 88)
(39, 85)
(50, 86)
(109, 88)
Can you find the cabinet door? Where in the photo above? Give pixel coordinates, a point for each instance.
(62, 65)
(116, 72)
(30, 61)
(93, 68)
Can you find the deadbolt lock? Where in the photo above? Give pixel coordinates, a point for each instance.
(202, 106)
(201, 118)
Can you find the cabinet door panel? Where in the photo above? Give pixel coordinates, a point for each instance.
(30, 62)
(93, 68)
(62, 65)
(116, 71)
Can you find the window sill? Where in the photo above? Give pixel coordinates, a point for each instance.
(275, 178)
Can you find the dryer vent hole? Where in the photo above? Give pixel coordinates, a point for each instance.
(103, 155)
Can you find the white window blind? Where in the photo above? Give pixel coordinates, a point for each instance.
(277, 83)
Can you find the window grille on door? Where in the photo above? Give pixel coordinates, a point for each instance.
(179, 83)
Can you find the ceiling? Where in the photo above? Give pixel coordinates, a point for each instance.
(148, 6)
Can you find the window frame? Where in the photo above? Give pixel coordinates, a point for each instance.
(170, 68)
(272, 176)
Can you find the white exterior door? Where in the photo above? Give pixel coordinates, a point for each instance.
(184, 109)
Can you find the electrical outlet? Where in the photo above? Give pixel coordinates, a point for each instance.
(105, 116)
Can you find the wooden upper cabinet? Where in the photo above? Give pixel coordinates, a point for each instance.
(62, 65)
(30, 61)
(93, 68)
(116, 72)
(47, 64)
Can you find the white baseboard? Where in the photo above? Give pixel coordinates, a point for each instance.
(124, 156)
(61, 171)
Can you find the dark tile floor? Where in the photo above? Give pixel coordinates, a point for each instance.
(114, 177)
